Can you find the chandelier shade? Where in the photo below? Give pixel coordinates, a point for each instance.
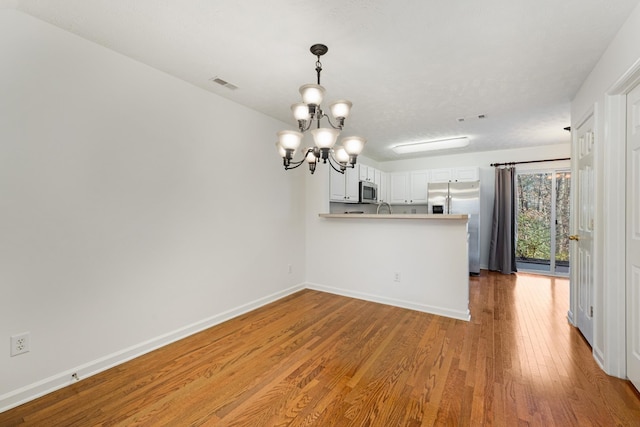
(289, 139)
(311, 158)
(353, 145)
(309, 112)
(341, 155)
(281, 150)
(312, 94)
(325, 137)
(340, 109)
(300, 111)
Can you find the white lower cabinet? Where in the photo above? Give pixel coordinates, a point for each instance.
(344, 188)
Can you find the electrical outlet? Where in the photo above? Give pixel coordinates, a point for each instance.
(20, 343)
(396, 277)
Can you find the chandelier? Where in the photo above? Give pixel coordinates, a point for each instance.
(309, 112)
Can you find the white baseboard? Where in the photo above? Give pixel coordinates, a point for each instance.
(440, 311)
(599, 358)
(63, 379)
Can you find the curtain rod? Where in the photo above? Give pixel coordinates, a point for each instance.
(528, 161)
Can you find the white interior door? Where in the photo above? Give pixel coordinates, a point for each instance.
(633, 237)
(582, 272)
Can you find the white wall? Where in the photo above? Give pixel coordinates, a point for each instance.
(487, 175)
(124, 223)
(601, 94)
(358, 257)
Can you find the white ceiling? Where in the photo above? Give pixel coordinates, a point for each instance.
(410, 67)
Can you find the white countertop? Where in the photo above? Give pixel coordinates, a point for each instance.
(397, 216)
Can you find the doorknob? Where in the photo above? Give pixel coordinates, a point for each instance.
(574, 237)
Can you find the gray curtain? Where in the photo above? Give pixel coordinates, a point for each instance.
(502, 255)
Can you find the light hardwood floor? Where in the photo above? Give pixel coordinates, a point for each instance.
(325, 360)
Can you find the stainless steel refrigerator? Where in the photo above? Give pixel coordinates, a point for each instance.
(460, 198)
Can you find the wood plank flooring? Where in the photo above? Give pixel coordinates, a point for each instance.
(315, 359)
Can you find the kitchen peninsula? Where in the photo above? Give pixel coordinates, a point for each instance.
(416, 261)
(396, 216)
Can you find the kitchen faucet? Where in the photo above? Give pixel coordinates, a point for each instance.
(383, 203)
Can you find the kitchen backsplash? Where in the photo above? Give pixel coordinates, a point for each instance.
(370, 208)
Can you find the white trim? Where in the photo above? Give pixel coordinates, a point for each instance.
(599, 360)
(627, 81)
(614, 360)
(440, 311)
(598, 237)
(614, 239)
(63, 379)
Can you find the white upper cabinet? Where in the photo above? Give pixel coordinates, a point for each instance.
(364, 172)
(419, 180)
(471, 173)
(367, 173)
(377, 177)
(382, 180)
(408, 187)
(344, 188)
(399, 187)
(441, 175)
(352, 185)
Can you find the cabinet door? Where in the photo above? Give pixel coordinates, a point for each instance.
(419, 181)
(383, 186)
(336, 187)
(352, 186)
(466, 174)
(441, 175)
(371, 174)
(399, 188)
(363, 171)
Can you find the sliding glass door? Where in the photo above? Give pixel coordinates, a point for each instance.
(543, 221)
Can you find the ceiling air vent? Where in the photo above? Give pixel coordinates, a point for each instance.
(471, 118)
(224, 83)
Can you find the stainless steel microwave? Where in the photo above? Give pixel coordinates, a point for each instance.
(368, 192)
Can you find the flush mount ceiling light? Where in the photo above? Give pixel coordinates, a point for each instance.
(440, 144)
(309, 112)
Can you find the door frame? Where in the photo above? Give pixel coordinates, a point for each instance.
(610, 345)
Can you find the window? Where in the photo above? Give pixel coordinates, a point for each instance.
(543, 210)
